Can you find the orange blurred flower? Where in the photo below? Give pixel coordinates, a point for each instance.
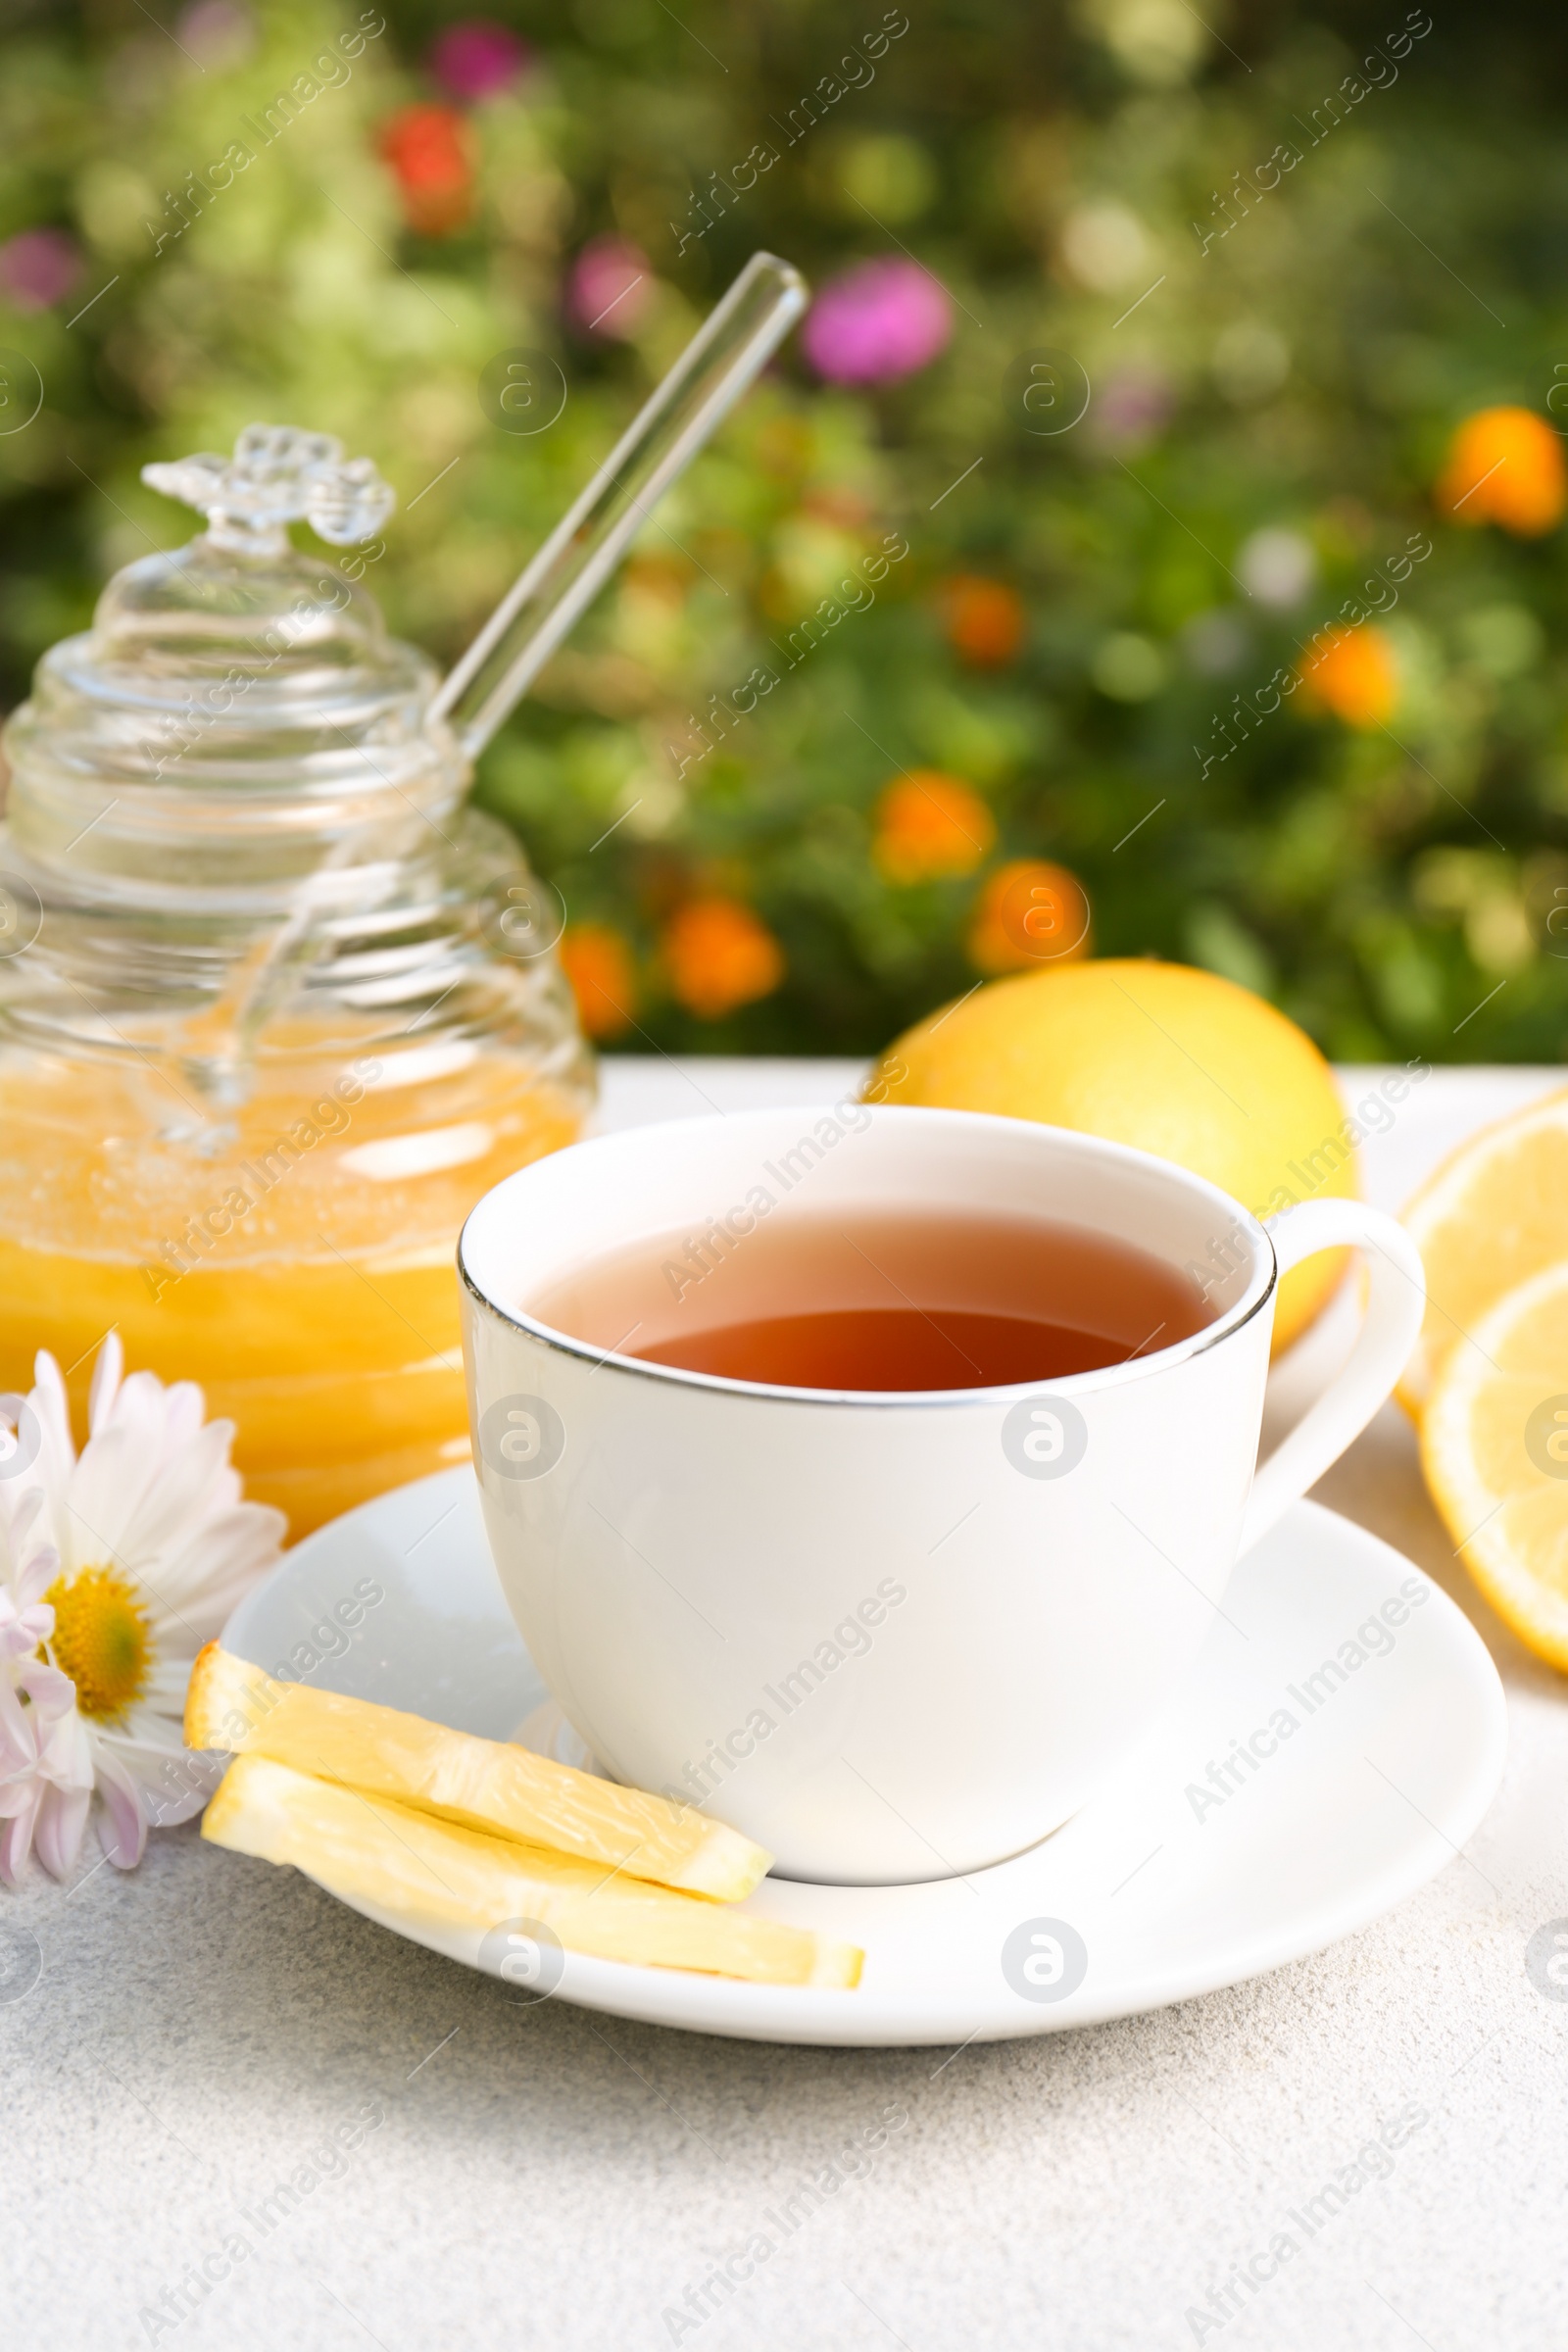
(1506, 465)
(1029, 911)
(599, 964)
(836, 503)
(1353, 675)
(718, 955)
(984, 619)
(929, 825)
(429, 149)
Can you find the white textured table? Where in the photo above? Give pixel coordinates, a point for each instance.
(204, 2030)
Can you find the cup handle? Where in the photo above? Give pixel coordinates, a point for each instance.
(1396, 1290)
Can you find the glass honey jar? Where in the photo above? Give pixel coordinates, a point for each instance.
(275, 1009)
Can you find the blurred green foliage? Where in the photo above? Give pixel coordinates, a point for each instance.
(1268, 415)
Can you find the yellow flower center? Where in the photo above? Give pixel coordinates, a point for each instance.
(101, 1638)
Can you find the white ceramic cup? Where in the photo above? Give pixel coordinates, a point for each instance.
(893, 1636)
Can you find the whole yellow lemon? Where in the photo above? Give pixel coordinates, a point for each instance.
(1176, 1062)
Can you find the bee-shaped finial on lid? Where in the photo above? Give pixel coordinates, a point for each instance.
(279, 475)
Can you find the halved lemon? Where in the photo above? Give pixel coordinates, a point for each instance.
(1493, 1213)
(1494, 1448)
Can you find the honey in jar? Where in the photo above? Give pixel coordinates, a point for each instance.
(275, 1009)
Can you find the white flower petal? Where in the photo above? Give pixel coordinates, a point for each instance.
(33, 1580)
(19, 1739)
(174, 1780)
(53, 1694)
(165, 1688)
(16, 1838)
(51, 1403)
(17, 1512)
(145, 1727)
(23, 1631)
(123, 1824)
(106, 1377)
(176, 1499)
(187, 1413)
(50, 1473)
(65, 1755)
(196, 1588)
(57, 1831)
(108, 1484)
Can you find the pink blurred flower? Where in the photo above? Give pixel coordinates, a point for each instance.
(610, 286)
(478, 59)
(39, 266)
(1132, 409)
(878, 323)
(219, 33)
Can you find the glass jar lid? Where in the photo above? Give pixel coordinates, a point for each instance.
(237, 728)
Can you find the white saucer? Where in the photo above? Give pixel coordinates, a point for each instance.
(1380, 1783)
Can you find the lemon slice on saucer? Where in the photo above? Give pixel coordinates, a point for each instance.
(1493, 1213)
(1494, 1448)
(420, 1870)
(485, 1785)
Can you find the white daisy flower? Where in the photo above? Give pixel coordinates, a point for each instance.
(45, 1770)
(115, 1568)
